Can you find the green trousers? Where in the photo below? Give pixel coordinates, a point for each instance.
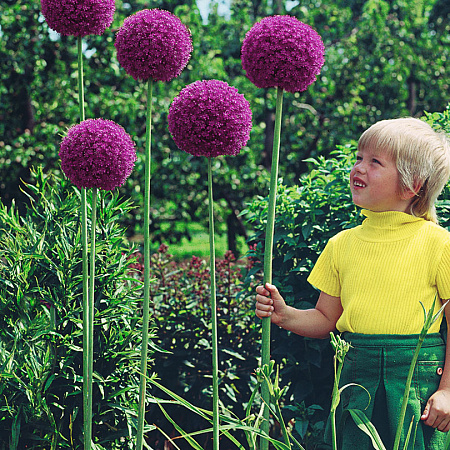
(381, 363)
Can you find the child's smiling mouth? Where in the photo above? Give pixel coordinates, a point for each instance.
(357, 183)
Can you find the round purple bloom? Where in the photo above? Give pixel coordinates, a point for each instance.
(78, 17)
(210, 118)
(153, 44)
(97, 153)
(281, 51)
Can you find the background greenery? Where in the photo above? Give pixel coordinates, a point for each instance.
(383, 59)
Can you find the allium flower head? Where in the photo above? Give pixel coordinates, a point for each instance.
(78, 17)
(210, 118)
(97, 153)
(153, 43)
(281, 51)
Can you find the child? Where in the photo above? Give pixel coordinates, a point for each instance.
(372, 279)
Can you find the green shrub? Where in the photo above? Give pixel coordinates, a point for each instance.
(182, 313)
(41, 323)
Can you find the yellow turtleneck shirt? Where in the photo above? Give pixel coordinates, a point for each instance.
(382, 270)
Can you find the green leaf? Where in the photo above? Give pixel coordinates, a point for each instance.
(408, 436)
(306, 230)
(364, 424)
(447, 442)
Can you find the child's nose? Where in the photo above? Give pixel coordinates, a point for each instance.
(360, 167)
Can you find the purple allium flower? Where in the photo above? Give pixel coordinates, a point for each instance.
(281, 51)
(97, 153)
(210, 118)
(78, 17)
(153, 44)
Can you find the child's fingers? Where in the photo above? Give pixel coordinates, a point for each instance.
(263, 299)
(436, 413)
(262, 291)
(273, 292)
(263, 309)
(426, 412)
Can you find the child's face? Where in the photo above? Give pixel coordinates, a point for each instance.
(374, 182)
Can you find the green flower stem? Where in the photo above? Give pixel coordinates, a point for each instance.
(146, 306)
(87, 427)
(335, 400)
(406, 394)
(90, 314)
(429, 320)
(212, 259)
(268, 251)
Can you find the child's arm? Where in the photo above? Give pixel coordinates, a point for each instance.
(437, 411)
(313, 323)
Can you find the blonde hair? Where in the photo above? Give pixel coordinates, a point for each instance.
(422, 157)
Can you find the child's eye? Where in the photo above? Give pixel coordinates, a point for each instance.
(358, 158)
(376, 161)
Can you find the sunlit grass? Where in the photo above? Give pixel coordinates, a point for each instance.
(198, 245)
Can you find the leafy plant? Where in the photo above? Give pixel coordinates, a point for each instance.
(250, 425)
(181, 311)
(41, 323)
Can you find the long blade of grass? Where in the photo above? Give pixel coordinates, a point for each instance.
(364, 424)
(199, 411)
(408, 436)
(232, 424)
(428, 321)
(183, 434)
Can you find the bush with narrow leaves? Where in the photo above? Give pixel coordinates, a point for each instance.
(41, 323)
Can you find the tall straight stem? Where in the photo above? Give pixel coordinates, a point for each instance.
(268, 252)
(429, 320)
(87, 427)
(90, 352)
(335, 401)
(215, 358)
(407, 388)
(146, 306)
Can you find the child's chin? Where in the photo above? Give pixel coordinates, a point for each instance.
(357, 203)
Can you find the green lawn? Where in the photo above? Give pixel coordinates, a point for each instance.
(199, 245)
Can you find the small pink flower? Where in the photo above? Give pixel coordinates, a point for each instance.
(78, 17)
(281, 51)
(97, 153)
(154, 44)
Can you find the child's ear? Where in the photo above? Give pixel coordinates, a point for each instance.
(408, 193)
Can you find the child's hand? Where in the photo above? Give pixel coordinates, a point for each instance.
(269, 303)
(437, 411)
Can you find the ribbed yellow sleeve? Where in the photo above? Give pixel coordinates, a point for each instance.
(383, 270)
